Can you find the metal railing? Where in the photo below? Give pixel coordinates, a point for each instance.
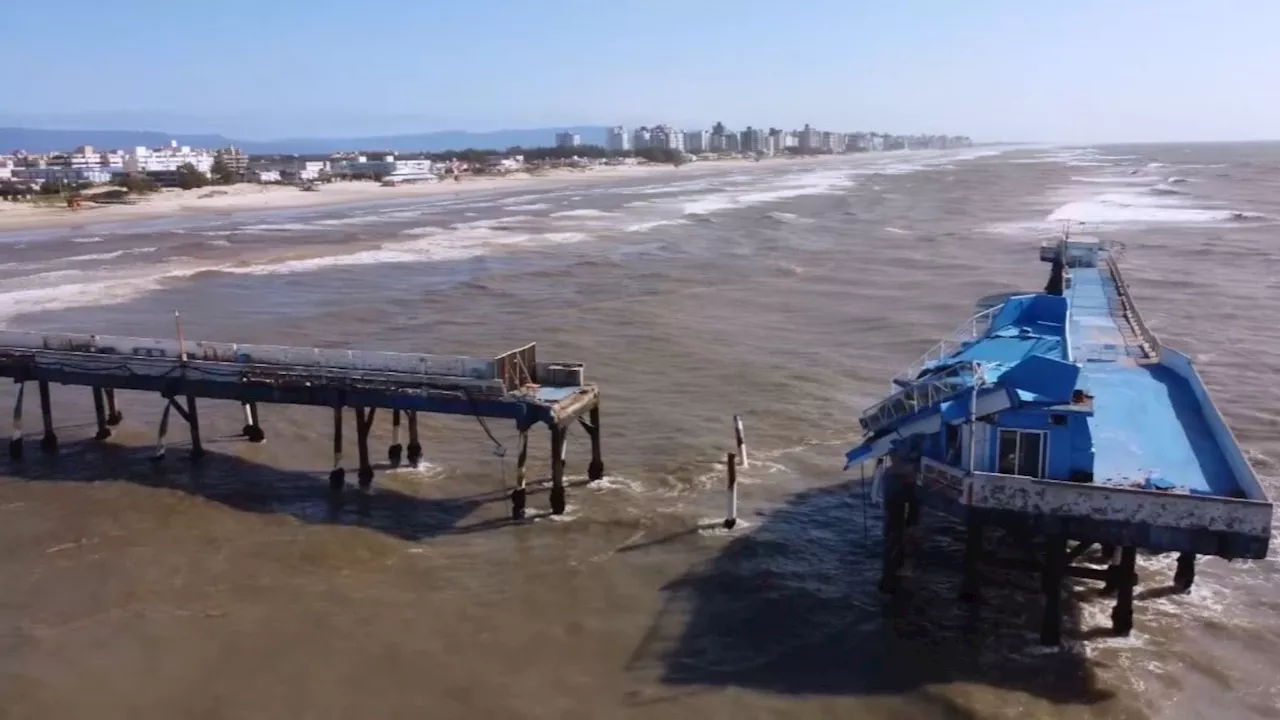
(928, 392)
(1150, 343)
(942, 477)
(972, 329)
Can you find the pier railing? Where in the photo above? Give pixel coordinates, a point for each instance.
(518, 367)
(1150, 343)
(924, 394)
(972, 329)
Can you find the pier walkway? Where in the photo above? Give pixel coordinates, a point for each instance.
(1151, 422)
(513, 386)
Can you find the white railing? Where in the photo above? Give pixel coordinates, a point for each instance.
(928, 392)
(974, 328)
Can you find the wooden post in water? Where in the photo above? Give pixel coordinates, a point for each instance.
(519, 494)
(164, 430)
(413, 453)
(731, 488)
(15, 442)
(48, 443)
(741, 437)
(193, 422)
(558, 500)
(252, 423)
(114, 416)
(337, 476)
(364, 423)
(595, 471)
(100, 414)
(396, 451)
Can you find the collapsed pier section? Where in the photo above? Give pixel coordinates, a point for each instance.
(513, 386)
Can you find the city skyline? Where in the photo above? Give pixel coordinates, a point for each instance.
(1089, 71)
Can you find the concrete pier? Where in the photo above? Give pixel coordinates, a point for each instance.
(513, 386)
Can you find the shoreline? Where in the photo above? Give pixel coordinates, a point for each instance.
(246, 197)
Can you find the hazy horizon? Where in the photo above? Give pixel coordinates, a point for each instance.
(1092, 72)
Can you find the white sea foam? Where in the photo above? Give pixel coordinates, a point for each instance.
(534, 206)
(790, 186)
(64, 289)
(107, 256)
(91, 239)
(277, 227)
(1118, 208)
(584, 212)
(441, 245)
(651, 224)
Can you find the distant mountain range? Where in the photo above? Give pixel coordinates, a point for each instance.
(35, 140)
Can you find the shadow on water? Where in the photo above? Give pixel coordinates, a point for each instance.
(791, 607)
(253, 487)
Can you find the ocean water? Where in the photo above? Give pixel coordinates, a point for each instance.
(787, 292)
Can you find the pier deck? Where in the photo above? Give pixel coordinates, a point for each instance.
(512, 386)
(1151, 422)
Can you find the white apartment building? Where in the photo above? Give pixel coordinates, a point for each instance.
(697, 141)
(667, 137)
(167, 159)
(810, 139)
(753, 140)
(6, 168)
(617, 139)
(81, 157)
(568, 139)
(640, 138)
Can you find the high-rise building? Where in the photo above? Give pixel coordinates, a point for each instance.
(697, 141)
(640, 138)
(617, 139)
(810, 139)
(666, 137)
(568, 139)
(753, 140)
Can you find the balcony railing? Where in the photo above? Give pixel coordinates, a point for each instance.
(972, 329)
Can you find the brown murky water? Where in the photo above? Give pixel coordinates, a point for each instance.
(787, 292)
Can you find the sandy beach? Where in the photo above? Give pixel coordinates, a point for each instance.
(250, 197)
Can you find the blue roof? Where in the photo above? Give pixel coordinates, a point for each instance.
(1026, 326)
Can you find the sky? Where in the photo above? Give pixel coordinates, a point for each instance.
(996, 70)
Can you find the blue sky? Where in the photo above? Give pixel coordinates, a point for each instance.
(1052, 70)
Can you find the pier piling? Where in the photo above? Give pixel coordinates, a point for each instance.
(1185, 576)
(414, 451)
(252, 429)
(558, 448)
(48, 443)
(100, 414)
(337, 476)
(193, 421)
(164, 430)
(895, 514)
(731, 488)
(396, 450)
(519, 495)
(114, 416)
(364, 422)
(970, 584)
(1127, 578)
(595, 471)
(1051, 576)
(15, 442)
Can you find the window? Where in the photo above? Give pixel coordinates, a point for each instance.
(1022, 452)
